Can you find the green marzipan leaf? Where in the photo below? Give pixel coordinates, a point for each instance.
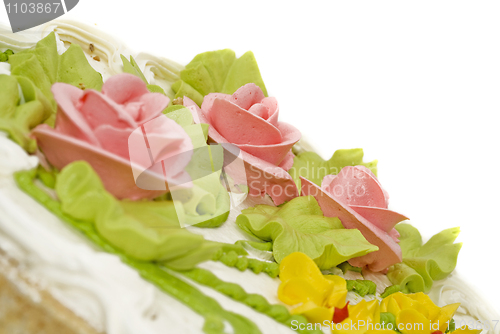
(217, 72)
(311, 166)
(18, 119)
(424, 263)
(144, 230)
(299, 226)
(36, 70)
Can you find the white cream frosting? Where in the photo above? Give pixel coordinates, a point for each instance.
(96, 285)
(105, 57)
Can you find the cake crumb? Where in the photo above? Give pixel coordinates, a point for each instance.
(91, 47)
(96, 58)
(81, 85)
(178, 101)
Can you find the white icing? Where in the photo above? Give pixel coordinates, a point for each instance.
(473, 311)
(4, 68)
(95, 285)
(105, 58)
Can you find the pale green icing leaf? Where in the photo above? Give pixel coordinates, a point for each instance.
(156, 89)
(147, 231)
(131, 67)
(217, 72)
(299, 226)
(311, 166)
(75, 70)
(181, 115)
(424, 263)
(43, 66)
(18, 119)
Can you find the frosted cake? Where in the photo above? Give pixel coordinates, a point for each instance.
(302, 245)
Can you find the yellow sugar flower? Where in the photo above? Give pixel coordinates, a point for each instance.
(362, 319)
(416, 313)
(303, 284)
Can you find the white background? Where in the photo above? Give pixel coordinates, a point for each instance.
(416, 84)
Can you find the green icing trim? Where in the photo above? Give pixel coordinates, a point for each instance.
(205, 306)
(311, 166)
(345, 266)
(16, 118)
(4, 56)
(361, 287)
(217, 72)
(48, 178)
(278, 312)
(390, 290)
(262, 246)
(242, 262)
(424, 263)
(299, 226)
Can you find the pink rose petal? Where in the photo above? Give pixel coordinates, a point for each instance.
(69, 119)
(260, 110)
(355, 185)
(114, 171)
(276, 153)
(239, 126)
(247, 95)
(124, 88)
(272, 105)
(153, 105)
(113, 140)
(382, 218)
(99, 109)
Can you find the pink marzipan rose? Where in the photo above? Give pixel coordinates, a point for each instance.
(356, 197)
(95, 127)
(249, 120)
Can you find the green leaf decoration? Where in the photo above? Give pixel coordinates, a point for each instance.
(361, 287)
(44, 66)
(131, 67)
(74, 69)
(147, 231)
(39, 68)
(16, 118)
(311, 166)
(299, 226)
(217, 72)
(424, 263)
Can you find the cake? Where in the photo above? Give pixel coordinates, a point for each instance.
(77, 246)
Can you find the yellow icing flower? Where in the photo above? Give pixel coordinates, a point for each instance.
(362, 319)
(303, 283)
(416, 313)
